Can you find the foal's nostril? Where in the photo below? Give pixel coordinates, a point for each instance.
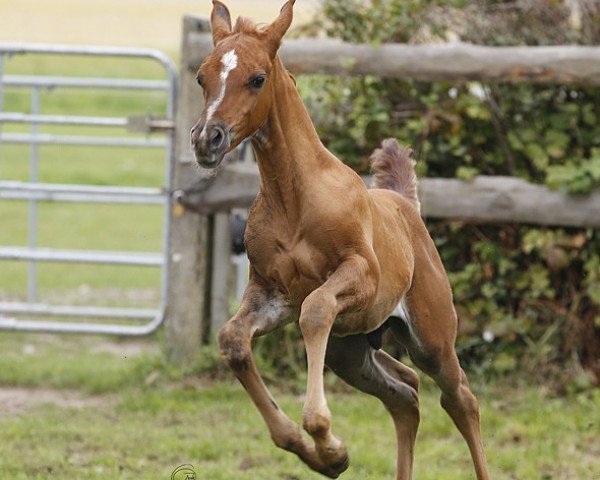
(194, 135)
(217, 137)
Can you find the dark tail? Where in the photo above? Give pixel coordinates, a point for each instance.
(393, 168)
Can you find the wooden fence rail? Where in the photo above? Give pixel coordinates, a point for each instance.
(439, 62)
(485, 199)
(196, 301)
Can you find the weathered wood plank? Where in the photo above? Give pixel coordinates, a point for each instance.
(443, 62)
(485, 199)
(447, 62)
(507, 199)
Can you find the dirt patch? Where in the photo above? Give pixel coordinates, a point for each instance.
(16, 400)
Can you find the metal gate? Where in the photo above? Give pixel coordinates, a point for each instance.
(29, 313)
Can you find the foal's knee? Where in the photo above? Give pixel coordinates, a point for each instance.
(316, 424)
(234, 347)
(404, 399)
(317, 314)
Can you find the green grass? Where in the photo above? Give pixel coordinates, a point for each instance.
(150, 418)
(48, 361)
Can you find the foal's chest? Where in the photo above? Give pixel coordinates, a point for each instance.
(286, 259)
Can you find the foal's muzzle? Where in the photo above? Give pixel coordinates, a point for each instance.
(210, 143)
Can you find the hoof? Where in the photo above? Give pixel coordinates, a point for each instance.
(337, 460)
(334, 470)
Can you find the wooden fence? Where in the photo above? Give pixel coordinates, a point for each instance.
(200, 234)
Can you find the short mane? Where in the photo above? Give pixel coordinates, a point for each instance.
(245, 25)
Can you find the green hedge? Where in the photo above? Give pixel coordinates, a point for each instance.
(528, 297)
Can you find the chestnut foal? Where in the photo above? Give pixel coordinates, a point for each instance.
(344, 261)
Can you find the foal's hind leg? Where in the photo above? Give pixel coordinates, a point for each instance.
(462, 406)
(376, 373)
(260, 314)
(429, 333)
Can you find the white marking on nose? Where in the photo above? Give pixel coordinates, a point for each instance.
(229, 62)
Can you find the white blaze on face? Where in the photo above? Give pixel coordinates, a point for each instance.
(229, 62)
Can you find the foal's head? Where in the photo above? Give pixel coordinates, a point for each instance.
(235, 80)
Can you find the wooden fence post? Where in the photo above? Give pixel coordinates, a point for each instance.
(221, 272)
(189, 259)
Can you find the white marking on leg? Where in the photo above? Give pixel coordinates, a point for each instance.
(229, 62)
(274, 313)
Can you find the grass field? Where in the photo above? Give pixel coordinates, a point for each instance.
(113, 410)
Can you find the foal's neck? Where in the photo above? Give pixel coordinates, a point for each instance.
(288, 149)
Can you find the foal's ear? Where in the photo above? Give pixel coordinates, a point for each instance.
(220, 22)
(280, 25)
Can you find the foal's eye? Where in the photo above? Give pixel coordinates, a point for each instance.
(258, 81)
(200, 80)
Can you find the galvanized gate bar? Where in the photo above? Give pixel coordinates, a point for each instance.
(77, 311)
(12, 190)
(84, 82)
(85, 256)
(13, 48)
(50, 139)
(8, 323)
(33, 210)
(18, 117)
(34, 191)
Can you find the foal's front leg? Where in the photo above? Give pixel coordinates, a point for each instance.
(260, 314)
(350, 286)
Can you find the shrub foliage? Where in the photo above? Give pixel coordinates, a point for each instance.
(528, 297)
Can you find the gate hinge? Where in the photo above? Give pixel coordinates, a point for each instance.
(149, 124)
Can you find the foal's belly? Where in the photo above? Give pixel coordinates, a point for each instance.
(364, 321)
(294, 279)
(278, 310)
